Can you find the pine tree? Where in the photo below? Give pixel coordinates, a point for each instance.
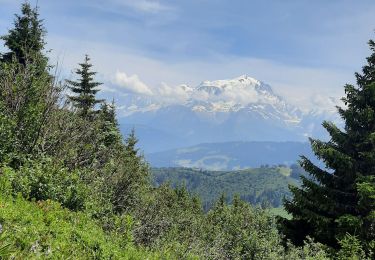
(27, 90)
(85, 89)
(109, 125)
(330, 204)
(130, 144)
(26, 39)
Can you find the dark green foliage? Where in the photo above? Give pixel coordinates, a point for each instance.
(26, 40)
(366, 193)
(337, 201)
(84, 89)
(110, 127)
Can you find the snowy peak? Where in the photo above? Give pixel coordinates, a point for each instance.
(231, 95)
(243, 80)
(243, 90)
(241, 83)
(244, 95)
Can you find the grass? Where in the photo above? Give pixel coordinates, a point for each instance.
(280, 211)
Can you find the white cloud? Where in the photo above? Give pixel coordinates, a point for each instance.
(296, 84)
(173, 94)
(145, 6)
(149, 6)
(132, 83)
(325, 103)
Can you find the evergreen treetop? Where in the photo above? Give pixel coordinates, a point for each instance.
(131, 142)
(26, 39)
(84, 88)
(109, 125)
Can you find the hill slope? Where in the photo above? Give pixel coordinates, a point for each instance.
(257, 186)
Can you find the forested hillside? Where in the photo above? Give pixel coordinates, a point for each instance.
(72, 187)
(265, 186)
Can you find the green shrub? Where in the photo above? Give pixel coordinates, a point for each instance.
(44, 229)
(351, 248)
(47, 179)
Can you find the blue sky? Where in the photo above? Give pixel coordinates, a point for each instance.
(305, 49)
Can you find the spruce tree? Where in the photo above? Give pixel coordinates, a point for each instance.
(339, 199)
(110, 131)
(26, 39)
(130, 144)
(27, 90)
(85, 89)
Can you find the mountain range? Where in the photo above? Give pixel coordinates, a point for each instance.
(222, 111)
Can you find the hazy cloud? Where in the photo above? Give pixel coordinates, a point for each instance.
(173, 94)
(107, 89)
(148, 6)
(132, 83)
(144, 6)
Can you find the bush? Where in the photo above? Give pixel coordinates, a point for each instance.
(47, 179)
(240, 231)
(352, 248)
(44, 229)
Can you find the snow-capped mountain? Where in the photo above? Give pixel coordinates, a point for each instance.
(239, 109)
(244, 93)
(214, 96)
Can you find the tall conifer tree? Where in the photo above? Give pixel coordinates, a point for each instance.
(27, 90)
(85, 89)
(337, 200)
(26, 39)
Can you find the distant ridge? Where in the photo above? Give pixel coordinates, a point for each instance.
(231, 155)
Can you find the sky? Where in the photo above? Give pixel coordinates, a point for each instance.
(306, 50)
